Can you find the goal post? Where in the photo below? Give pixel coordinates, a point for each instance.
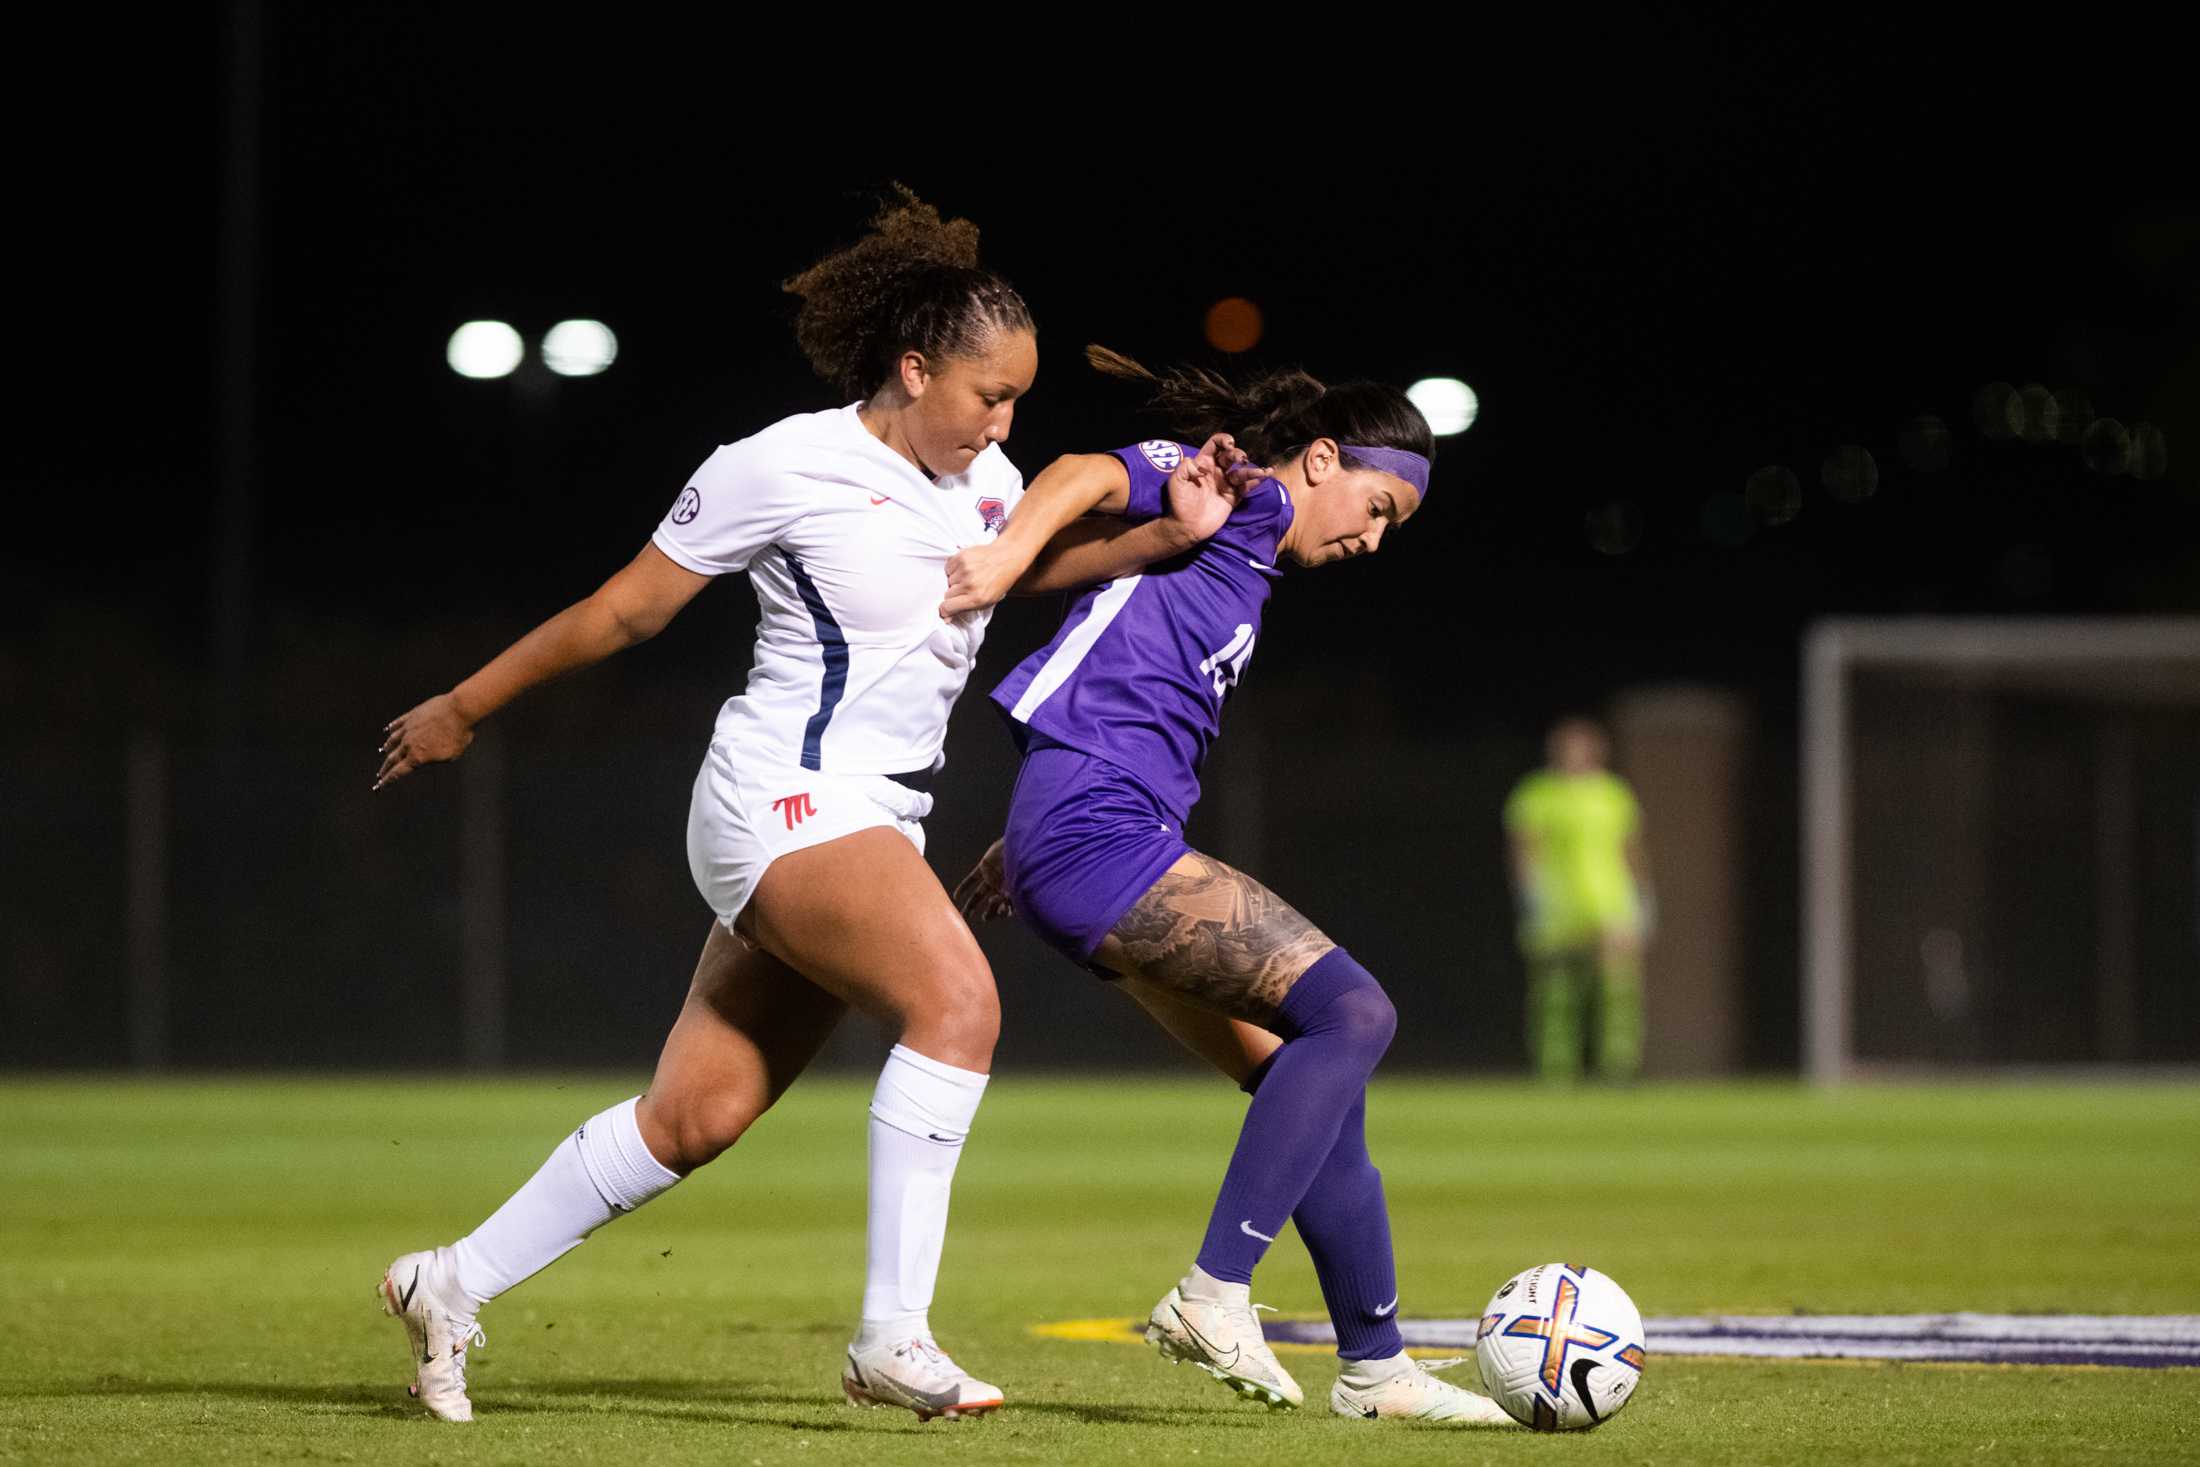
(2001, 844)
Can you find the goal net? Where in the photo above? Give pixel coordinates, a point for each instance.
(2001, 844)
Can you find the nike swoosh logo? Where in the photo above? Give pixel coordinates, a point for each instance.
(930, 1400)
(406, 1302)
(1208, 1345)
(1580, 1374)
(935, 1400)
(1246, 1227)
(885, 499)
(948, 1140)
(1384, 1312)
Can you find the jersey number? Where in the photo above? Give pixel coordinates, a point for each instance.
(1226, 665)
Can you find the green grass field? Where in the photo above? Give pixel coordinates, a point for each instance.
(187, 1270)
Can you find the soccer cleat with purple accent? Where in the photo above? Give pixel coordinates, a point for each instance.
(411, 1291)
(1222, 1337)
(918, 1376)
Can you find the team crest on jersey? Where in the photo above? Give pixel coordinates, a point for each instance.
(1162, 454)
(688, 506)
(994, 512)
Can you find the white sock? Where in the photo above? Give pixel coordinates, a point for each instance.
(920, 1114)
(1358, 1373)
(1200, 1284)
(598, 1172)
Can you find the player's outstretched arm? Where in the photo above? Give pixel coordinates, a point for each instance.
(633, 606)
(1074, 485)
(1042, 549)
(1200, 495)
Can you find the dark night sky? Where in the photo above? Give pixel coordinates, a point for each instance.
(1663, 262)
(1666, 252)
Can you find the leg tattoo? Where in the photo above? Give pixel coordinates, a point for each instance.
(1217, 938)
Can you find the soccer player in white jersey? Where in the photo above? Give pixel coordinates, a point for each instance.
(805, 833)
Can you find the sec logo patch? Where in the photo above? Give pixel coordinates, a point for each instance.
(1162, 454)
(687, 506)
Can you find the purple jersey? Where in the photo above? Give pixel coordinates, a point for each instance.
(1138, 671)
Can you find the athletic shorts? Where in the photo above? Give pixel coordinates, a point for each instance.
(743, 816)
(1085, 841)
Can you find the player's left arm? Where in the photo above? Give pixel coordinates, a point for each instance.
(1023, 559)
(1646, 897)
(1637, 856)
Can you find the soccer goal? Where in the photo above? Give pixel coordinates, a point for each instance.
(2001, 845)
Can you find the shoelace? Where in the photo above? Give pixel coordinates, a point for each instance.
(461, 1340)
(933, 1356)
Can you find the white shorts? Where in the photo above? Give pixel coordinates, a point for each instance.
(744, 816)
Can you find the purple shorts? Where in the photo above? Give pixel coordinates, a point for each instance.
(1084, 842)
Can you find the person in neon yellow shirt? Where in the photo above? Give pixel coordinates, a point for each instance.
(1583, 890)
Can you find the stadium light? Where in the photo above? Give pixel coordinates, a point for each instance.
(1448, 403)
(1233, 325)
(484, 349)
(579, 348)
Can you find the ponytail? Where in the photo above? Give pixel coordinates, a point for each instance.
(912, 284)
(1276, 414)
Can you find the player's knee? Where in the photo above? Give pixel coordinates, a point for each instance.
(955, 1017)
(702, 1128)
(1367, 1017)
(1339, 997)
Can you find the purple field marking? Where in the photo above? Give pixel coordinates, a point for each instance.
(2137, 1341)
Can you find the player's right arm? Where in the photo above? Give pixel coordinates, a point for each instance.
(1048, 546)
(633, 606)
(741, 499)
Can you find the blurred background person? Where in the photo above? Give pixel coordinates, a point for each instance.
(1581, 884)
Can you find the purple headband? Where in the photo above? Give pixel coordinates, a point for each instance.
(1404, 463)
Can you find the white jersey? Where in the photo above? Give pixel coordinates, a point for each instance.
(847, 546)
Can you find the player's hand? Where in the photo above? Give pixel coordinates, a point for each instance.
(980, 575)
(430, 734)
(982, 895)
(1207, 486)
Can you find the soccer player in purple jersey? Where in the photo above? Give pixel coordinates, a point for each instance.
(1114, 718)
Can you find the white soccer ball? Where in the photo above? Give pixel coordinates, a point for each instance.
(1560, 1347)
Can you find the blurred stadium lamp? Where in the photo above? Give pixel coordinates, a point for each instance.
(1448, 403)
(484, 349)
(579, 348)
(1233, 325)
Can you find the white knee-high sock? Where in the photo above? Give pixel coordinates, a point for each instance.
(920, 1115)
(601, 1170)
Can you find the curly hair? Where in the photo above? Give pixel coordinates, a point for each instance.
(912, 284)
(1277, 413)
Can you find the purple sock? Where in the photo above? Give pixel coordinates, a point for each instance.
(1345, 1225)
(1335, 1022)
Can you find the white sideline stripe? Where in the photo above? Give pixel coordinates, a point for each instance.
(2007, 1337)
(1066, 657)
(2165, 1329)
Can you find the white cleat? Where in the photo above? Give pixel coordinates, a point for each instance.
(1416, 1395)
(438, 1333)
(1222, 1337)
(919, 1376)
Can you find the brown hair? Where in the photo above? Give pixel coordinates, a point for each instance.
(1276, 414)
(912, 284)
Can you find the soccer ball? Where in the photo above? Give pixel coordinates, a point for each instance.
(1560, 1347)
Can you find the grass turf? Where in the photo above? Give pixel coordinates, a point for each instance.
(187, 1270)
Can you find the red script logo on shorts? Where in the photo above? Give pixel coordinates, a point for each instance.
(796, 807)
